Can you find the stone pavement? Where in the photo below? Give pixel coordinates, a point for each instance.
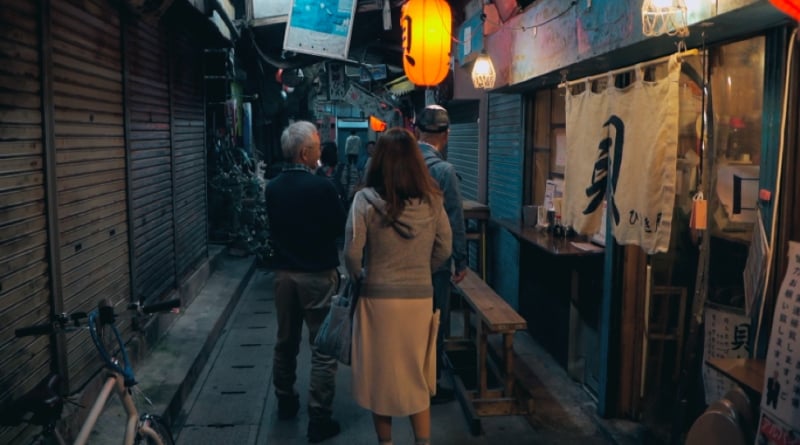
(229, 398)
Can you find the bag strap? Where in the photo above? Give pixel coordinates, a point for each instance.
(396, 225)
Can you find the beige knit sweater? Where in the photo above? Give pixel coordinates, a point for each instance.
(398, 258)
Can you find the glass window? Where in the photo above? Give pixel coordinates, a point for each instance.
(736, 78)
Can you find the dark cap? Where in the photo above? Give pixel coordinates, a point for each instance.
(433, 119)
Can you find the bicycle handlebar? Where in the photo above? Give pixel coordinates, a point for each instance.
(38, 329)
(102, 316)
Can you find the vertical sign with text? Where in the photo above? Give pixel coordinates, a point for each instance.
(781, 394)
(727, 334)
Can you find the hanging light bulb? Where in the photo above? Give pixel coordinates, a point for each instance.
(665, 17)
(483, 75)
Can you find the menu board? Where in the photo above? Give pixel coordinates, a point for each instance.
(781, 393)
(727, 335)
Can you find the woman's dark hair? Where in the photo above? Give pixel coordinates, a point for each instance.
(398, 172)
(329, 154)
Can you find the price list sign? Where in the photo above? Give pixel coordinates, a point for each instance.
(781, 394)
(727, 335)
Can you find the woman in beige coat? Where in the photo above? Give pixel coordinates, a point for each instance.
(398, 229)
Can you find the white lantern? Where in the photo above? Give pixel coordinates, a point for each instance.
(483, 75)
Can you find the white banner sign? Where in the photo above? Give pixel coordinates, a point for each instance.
(320, 27)
(781, 395)
(628, 137)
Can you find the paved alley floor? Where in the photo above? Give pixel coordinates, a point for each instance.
(233, 401)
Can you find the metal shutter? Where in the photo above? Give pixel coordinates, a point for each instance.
(24, 272)
(153, 238)
(462, 146)
(188, 145)
(462, 152)
(90, 165)
(506, 157)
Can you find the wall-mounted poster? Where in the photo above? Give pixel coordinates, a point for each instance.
(727, 335)
(320, 27)
(781, 394)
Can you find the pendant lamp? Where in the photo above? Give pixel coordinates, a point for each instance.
(664, 17)
(426, 41)
(483, 75)
(789, 7)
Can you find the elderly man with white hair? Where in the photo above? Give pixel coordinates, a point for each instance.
(306, 217)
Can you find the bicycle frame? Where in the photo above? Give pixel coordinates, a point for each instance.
(119, 378)
(115, 382)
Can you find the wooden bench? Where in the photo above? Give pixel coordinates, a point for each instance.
(493, 315)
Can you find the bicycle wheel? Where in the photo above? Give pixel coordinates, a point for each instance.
(158, 427)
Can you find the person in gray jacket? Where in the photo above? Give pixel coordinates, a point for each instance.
(397, 228)
(433, 129)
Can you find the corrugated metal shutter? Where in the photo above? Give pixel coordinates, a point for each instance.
(24, 280)
(188, 145)
(90, 165)
(506, 157)
(462, 152)
(150, 160)
(462, 146)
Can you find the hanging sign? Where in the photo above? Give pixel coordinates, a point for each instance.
(781, 394)
(320, 27)
(616, 152)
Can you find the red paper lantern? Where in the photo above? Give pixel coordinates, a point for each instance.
(376, 124)
(426, 41)
(790, 7)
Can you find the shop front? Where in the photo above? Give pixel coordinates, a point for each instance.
(636, 315)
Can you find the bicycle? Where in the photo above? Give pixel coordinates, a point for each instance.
(44, 403)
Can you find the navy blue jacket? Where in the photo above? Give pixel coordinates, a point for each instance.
(305, 219)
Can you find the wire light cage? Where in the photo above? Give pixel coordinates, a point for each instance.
(483, 75)
(664, 17)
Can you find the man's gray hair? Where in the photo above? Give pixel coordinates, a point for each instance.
(295, 137)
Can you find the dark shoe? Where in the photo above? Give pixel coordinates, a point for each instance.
(319, 430)
(288, 407)
(443, 395)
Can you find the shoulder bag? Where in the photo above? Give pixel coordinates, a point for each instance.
(336, 332)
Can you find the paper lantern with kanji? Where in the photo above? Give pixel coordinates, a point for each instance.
(426, 41)
(790, 7)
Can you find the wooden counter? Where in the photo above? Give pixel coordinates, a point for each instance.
(546, 241)
(475, 210)
(745, 371)
(560, 289)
